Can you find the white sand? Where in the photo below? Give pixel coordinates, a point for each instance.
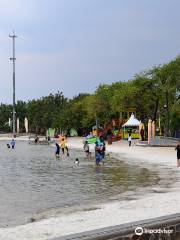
(145, 206)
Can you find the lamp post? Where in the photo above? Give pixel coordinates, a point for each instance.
(166, 130)
(13, 36)
(159, 122)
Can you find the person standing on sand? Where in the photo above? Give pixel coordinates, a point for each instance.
(178, 154)
(142, 134)
(129, 140)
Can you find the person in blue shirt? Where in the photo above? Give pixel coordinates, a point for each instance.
(13, 143)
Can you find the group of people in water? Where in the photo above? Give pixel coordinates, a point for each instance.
(99, 149)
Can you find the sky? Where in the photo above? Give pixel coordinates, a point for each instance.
(74, 45)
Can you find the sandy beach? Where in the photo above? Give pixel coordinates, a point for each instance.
(157, 202)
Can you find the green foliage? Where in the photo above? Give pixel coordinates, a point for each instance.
(154, 93)
(175, 116)
(5, 113)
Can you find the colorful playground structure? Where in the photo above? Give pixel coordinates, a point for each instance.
(113, 131)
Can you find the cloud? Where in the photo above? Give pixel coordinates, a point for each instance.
(73, 46)
(15, 10)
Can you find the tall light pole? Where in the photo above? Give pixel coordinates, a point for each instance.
(13, 36)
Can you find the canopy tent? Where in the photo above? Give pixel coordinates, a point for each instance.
(132, 122)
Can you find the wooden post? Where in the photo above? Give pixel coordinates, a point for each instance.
(17, 125)
(26, 124)
(149, 131)
(153, 129)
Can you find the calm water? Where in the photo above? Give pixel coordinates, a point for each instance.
(33, 181)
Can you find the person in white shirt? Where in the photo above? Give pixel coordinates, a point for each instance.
(129, 140)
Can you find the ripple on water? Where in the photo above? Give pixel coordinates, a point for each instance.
(33, 181)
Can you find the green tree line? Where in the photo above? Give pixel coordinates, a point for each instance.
(155, 93)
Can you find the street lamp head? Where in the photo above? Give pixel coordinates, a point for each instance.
(13, 35)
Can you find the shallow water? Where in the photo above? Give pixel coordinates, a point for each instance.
(32, 180)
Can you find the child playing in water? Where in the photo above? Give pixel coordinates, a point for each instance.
(86, 149)
(13, 143)
(57, 150)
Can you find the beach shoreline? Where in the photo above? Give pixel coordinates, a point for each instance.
(157, 202)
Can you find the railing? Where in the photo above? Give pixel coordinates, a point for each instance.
(162, 141)
(161, 228)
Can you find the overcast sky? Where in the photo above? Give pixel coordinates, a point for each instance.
(74, 45)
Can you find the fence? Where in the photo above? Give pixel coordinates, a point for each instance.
(161, 228)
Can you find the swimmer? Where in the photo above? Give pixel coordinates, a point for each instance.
(76, 161)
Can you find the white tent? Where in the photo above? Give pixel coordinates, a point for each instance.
(132, 122)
